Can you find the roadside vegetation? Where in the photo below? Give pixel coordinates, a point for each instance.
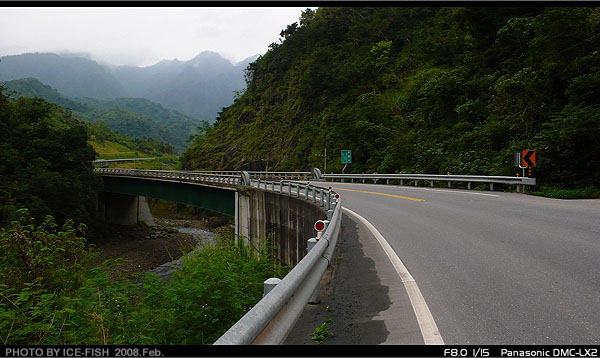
(587, 193)
(51, 295)
(322, 333)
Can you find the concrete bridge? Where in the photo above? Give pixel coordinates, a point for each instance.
(285, 217)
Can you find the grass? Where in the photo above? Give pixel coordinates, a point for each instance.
(322, 333)
(588, 193)
(111, 150)
(169, 162)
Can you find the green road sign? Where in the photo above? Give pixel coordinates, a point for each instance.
(346, 156)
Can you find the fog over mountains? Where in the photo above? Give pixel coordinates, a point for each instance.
(198, 87)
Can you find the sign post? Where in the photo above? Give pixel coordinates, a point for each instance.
(346, 158)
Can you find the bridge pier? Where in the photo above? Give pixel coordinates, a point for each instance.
(122, 209)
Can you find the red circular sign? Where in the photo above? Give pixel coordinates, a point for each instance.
(319, 225)
(337, 196)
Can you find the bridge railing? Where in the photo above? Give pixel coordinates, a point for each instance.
(231, 179)
(434, 177)
(273, 317)
(266, 175)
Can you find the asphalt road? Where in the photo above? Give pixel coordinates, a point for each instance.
(493, 267)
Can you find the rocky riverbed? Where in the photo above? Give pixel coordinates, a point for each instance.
(157, 248)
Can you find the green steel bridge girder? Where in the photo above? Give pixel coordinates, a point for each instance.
(217, 199)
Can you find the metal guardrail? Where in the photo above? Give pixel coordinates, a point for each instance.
(101, 161)
(435, 177)
(273, 317)
(231, 179)
(267, 175)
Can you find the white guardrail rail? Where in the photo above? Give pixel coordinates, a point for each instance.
(266, 175)
(432, 178)
(273, 317)
(232, 179)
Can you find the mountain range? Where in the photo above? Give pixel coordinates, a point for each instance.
(199, 87)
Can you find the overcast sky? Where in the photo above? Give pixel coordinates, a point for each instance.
(143, 36)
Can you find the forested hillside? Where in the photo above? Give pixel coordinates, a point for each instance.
(136, 117)
(423, 90)
(45, 163)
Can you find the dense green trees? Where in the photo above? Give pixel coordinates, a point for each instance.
(45, 162)
(426, 90)
(147, 121)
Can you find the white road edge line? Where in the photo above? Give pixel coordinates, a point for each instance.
(429, 330)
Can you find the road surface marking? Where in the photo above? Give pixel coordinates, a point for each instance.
(384, 194)
(448, 191)
(429, 330)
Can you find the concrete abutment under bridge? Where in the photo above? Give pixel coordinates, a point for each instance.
(286, 220)
(123, 209)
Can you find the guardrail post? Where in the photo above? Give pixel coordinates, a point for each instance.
(289, 188)
(270, 284)
(431, 183)
(401, 181)
(307, 188)
(416, 182)
(388, 182)
(491, 186)
(469, 185)
(321, 199)
(314, 197)
(449, 184)
(314, 298)
(518, 187)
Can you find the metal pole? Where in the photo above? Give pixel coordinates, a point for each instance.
(270, 284)
(325, 170)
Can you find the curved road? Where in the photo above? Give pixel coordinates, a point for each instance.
(493, 267)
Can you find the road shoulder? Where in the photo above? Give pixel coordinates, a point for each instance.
(362, 295)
